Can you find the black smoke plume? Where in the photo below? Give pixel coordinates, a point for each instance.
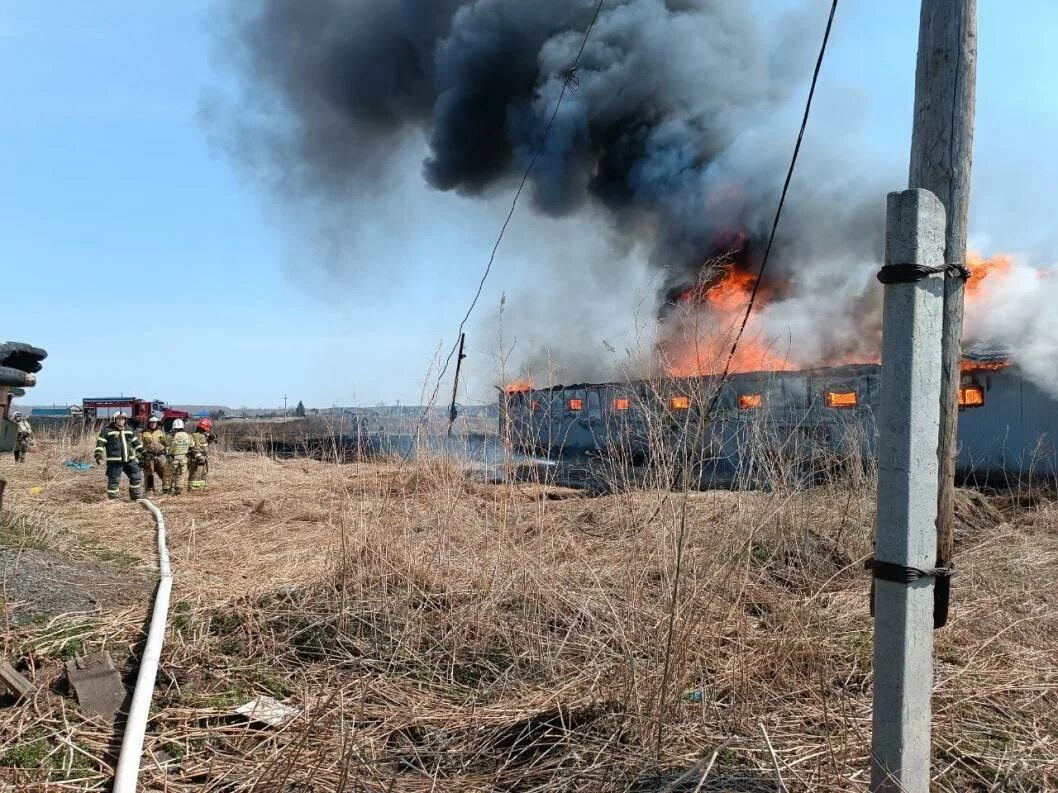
(678, 123)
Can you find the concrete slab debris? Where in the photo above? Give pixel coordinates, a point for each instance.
(97, 684)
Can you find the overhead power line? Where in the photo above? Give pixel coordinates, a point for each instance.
(681, 534)
(778, 210)
(570, 82)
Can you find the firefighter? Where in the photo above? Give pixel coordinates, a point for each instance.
(24, 439)
(119, 446)
(154, 442)
(179, 446)
(199, 457)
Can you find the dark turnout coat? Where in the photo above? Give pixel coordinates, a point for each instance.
(118, 444)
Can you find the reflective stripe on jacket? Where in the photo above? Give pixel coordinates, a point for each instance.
(118, 444)
(179, 444)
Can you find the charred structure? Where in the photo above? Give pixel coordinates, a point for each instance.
(797, 421)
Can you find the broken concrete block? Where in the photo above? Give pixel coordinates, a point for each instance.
(97, 685)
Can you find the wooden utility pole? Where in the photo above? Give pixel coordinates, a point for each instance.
(941, 153)
(905, 532)
(455, 384)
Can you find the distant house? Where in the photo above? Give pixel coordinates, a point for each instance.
(55, 412)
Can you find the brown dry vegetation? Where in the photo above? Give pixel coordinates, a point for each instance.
(438, 634)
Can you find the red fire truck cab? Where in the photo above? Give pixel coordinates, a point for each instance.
(139, 410)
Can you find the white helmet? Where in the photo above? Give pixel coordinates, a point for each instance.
(16, 416)
(121, 414)
(178, 424)
(153, 420)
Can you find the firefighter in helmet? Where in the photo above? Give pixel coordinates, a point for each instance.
(201, 440)
(119, 446)
(24, 437)
(177, 449)
(154, 442)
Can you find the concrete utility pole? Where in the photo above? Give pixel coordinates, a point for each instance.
(941, 153)
(905, 532)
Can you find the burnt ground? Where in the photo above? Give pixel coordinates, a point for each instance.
(41, 582)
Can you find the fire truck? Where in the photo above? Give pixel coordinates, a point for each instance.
(96, 409)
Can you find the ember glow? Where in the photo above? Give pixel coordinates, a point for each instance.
(841, 399)
(971, 396)
(971, 365)
(680, 403)
(750, 401)
(518, 387)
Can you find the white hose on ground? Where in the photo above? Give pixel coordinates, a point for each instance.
(132, 744)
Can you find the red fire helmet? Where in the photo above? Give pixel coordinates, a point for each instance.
(205, 424)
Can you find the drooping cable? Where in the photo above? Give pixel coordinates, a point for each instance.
(570, 82)
(778, 212)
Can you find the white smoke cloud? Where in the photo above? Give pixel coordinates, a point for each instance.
(1018, 309)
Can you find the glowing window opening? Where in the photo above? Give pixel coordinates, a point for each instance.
(576, 404)
(971, 396)
(680, 403)
(842, 399)
(750, 401)
(622, 403)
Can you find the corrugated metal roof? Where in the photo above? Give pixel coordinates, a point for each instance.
(986, 352)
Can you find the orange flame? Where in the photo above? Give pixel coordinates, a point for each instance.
(970, 365)
(750, 401)
(971, 396)
(729, 293)
(702, 342)
(841, 399)
(517, 387)
(986, 272)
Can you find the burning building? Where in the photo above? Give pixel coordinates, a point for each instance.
(1008, 427)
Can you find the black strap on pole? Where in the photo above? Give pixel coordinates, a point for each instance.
(902, 574)
(903, 273)
(908, 273)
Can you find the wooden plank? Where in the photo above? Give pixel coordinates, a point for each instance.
(97, 684)
(14, 682)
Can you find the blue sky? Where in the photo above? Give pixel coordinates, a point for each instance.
(145, 262)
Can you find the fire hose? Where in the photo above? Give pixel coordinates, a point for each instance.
(136, 726)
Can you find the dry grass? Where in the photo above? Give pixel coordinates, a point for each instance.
(442, 635)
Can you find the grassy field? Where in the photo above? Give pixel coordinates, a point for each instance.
(436, 634)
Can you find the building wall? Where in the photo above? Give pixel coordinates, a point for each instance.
(1014, 431)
